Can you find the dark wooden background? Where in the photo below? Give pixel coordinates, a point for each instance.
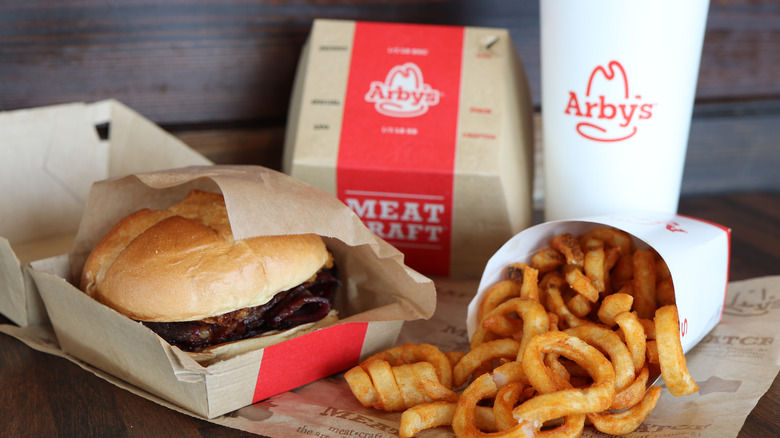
(219, 74)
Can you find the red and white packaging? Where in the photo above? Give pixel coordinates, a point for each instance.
(697, 253)
(424, 131)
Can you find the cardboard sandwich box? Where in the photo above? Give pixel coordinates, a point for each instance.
(49, 158)
(696, 252)
(378, 292)
(424, 131)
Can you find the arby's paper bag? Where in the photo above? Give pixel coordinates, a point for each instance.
(378, 293)
(697, 254)
(424, 131)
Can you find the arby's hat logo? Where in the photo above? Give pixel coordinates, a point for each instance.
(403, 93)
(608, 111)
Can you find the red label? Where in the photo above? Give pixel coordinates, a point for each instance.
(608, 111)
(298, 361)
(397, 149)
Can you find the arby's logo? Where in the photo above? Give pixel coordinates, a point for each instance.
(608, 111)
(403, 93)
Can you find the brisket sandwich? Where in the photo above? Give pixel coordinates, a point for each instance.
(182, 274)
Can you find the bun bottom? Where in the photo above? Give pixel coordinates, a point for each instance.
(228, 350)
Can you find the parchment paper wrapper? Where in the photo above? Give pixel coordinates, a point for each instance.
(734, 366)
(378, 294)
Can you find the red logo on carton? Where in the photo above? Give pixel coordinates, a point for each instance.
(403, 93)
(674, 227)
(609, 111)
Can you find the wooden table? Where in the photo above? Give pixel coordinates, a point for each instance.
(43, 395)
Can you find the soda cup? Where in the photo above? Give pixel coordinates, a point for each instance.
(618, 86)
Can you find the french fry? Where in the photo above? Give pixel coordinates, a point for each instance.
(507, 397)
(579, 306)
(582, 284)
(556, 305)
(623, 271)
(625, 422)
(505, 348)
(645, 301)
(529, 279)
(607, 341)
(389, 394)
(595, 264)
(426, 416)
(497, 294)
(635, 337)
(665, 291)
(568, 245)
(412, 353)
(546, 260)
(611, 237)
(531, 319)
(430, 415)
(632, 394)
(612, 305)
(670, 353)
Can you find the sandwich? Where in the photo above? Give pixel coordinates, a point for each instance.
(180, 272)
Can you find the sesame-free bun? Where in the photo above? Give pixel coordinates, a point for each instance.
(183, 264)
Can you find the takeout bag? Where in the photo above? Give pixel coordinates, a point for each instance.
(379, 292)
(424, 131)
(49, 157)
(697, 253)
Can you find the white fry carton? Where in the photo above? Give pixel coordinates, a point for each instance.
(697, 253)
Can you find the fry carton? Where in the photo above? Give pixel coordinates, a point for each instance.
(696, 252)
(49, 158)
(378, 293)
(424, 131)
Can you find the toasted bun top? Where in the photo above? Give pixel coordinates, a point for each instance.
(183, 264)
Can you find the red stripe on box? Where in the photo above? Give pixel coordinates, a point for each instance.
(398, 138)
(307, 358)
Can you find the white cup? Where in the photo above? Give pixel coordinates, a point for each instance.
(618, 85)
